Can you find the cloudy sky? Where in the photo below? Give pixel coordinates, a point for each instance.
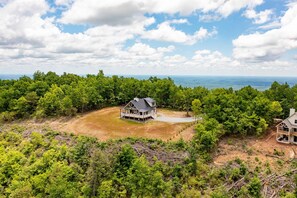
(166, 37)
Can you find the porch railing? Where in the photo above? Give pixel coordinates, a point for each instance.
(131, 115)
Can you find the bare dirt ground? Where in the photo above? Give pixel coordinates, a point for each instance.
(186, 134)
(105, 124)
(256, 151)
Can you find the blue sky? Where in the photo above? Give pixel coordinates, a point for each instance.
(149, 37)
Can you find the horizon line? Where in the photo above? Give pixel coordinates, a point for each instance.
(154, 75)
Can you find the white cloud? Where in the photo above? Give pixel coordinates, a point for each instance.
(22, 25)
(30, 41)
(179, 21)
(271, 44)
(3, 2)
(144, 51)
(209, 17)
(112, 12)
(24, 31)
(222, 7)
(165, 32)
(213, 59)
(231, 6)
(271, 25)
(64, 2)
(258, 18)
(118, 12)
(175, 59)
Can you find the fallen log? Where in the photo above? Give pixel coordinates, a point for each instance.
(275, 156)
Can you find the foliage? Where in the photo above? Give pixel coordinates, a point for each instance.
(196, 106)
(246, 111)
(39, 165)
(34, 164)
(207, 135)
(254, 187)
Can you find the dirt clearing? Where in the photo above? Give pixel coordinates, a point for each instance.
(261, 152)
(105, 124)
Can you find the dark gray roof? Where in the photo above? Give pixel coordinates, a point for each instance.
(143, 104)
(149, 100)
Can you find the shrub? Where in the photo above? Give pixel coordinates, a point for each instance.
(7, 116)
(254, 187)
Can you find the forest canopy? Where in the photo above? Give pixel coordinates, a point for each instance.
(244, 111)
(46, 163)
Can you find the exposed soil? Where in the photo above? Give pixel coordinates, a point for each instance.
(186, 134)
(105, 124)
(256, 151)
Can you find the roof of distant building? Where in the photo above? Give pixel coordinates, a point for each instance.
(143, 104)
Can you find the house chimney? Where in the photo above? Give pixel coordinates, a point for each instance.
(292, 111)
(137, 99)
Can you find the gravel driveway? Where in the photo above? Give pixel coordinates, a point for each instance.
(174, 119)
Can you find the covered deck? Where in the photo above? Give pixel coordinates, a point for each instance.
(138, 116)
(132, 115)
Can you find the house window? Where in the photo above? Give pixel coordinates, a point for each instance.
(295, 121)
(295, 129)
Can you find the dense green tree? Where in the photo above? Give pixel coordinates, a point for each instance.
(106, 189)
(26, 105)
(79, 96)
(124, 160)
(207, 135)
(138, 178)
(254, 187)
(51, 103)
(196, 107)
(62, 181)
(99, 169)
(51, 78)
(283, 94)
(80, 153)
(38, 76)
(40, 87)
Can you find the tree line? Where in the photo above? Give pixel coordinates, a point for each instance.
(47, 95)
(244, 111)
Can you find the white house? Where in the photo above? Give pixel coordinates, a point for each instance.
(140, 109)
(287, 129)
